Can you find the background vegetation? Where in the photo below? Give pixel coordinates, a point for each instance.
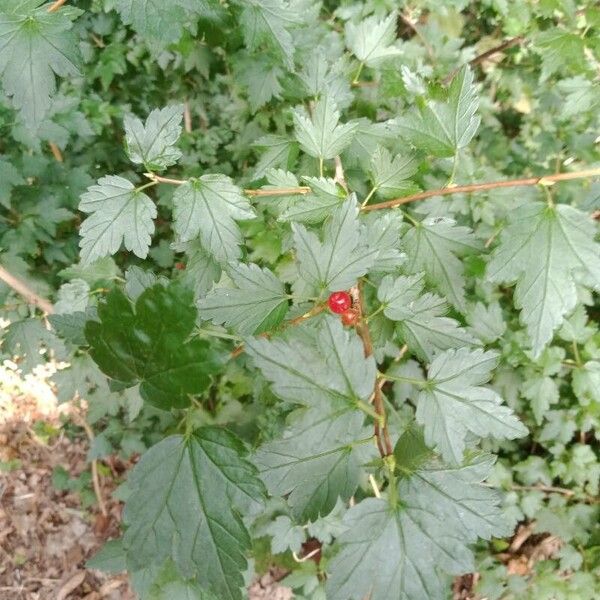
(320, 99)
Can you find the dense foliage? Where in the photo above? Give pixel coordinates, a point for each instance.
(190, 182)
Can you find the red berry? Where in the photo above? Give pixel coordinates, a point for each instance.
(349, 318)
(180, 266)
(339, 302)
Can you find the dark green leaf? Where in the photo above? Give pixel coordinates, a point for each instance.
(148, 344)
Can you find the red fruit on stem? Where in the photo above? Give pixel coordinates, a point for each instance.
(180, 266)
(349, 318)
(339, 302)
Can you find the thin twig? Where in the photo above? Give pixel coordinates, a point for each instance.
(54, 7)
(278, 191)
(479, 187)
(56, 152)
(95, 477)
(382, 435)
(550, 489)
(485, 55)
(339, 176)
(158, 179)
(260, 192)
(25, 291)
(187, 117)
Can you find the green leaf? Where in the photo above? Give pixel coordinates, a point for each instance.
(586, 382)
(390, 176)
(70, 326)
(322, 135)
(258, 304)
(79, 378)
(443, 128)
(405, 552)
(161, 23)
(434, 246)
(261, 78)
(371, 40)
(382, 232)
(187, 494)
(313, 367)
(152, 143)
(72, 297)
(486, 322)
(316, 461)
(541, 392)
(454, 402)
(560, 50)
(201, 271)
(323, 73)
(581, 95)
(337, 261)
(110, 558)
(169, 585)
(119, 214)
(367, 138)
(36, 45)
(10, 177)
(278, 152)
(137, 280)
(147, 345)
(268, 22)
(420, 317)
(411, 451)
(314, 208)
(285, 535)
(26, 339)
(209, 207)
(547, 251)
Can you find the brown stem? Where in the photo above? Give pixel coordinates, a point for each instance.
(54, 7)
(159, 179)
(485, 55)
(278, 191)
(187, 117)
(80, 420)
(56, 152)
(382, 435)
(551, 489)
(24, 290)
(479, 187)
(262, 192)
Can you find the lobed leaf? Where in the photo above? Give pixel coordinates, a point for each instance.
(547, 252)
(186, 495)
(208, 207)
(454, 402)
(148, 344)
(119, 214)
(152, 143)
(259, 303)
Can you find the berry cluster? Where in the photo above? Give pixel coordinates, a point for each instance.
(340, 303)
